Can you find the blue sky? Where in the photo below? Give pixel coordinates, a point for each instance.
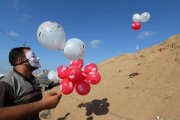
(103, 25)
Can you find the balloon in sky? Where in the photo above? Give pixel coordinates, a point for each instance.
(81, 44)
(74, 49)
(145, 17)
(51, 35)
(66, 86)
(136, 25)
(136, 17)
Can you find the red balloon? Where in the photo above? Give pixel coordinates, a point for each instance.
(91, 67)
(82, 87)
(136, 25)
(77, 63)
(84, 75)
(66, 86)
(75, 74)
(93, 78)
(62, 71)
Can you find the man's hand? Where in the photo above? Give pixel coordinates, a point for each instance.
(51, 100)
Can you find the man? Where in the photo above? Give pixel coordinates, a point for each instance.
(20, 96)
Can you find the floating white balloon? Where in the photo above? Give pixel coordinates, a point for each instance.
(74, 49)
(52, 75)
(145, 17)
(51, 35)
(82, 46)
(136, 17)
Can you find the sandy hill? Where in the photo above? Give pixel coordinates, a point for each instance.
(137, 86)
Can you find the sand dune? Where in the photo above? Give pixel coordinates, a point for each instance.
(137, 86)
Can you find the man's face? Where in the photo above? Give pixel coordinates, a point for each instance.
(33, 60)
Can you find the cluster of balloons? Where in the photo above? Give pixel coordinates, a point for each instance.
(137, 18)
(78, 78)
(52, 36)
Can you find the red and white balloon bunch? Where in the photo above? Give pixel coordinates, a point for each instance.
(52, 36)
(137, 18)
(78, 78)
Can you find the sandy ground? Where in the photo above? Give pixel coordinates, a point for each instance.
(137, 86)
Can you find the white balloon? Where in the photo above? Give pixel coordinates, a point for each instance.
(74, 49)
(145, 17)
(81, 44)
(51, 35)
(136, 17)
(52, 75)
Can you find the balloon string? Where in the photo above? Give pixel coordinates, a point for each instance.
(137, 45)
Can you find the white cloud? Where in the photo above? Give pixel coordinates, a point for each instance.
(15, 4)
(13, 34)
(145, 34)
(95, 43)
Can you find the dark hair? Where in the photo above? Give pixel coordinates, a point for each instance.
(15, 53)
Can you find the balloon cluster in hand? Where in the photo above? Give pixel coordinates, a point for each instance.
(52, 36)
(137, 18)
(78, 78)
